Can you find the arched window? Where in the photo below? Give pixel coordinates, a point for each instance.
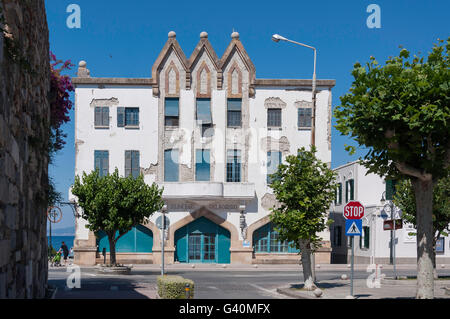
(265, 240)
(138, 240)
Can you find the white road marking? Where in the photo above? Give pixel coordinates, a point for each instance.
(270, 292)
(211, 287)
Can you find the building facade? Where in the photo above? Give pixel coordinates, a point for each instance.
(208, 131)
(374, 246)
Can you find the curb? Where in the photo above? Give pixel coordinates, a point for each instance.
(289, 293)
(409, 282)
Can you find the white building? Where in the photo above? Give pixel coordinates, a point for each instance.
(374, 246)
(208, 131)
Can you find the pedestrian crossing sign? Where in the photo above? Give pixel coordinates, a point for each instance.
(353, 227)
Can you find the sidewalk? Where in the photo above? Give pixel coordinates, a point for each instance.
(388, 289)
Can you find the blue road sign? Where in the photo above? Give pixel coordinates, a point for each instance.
(353, 227)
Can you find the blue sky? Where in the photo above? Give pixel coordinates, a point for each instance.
(123, 39)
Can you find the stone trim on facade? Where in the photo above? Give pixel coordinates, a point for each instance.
(231, 85)
(169, 84)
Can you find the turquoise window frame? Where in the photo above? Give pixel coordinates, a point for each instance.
(171, 168)
(264, 237)
(202, 165)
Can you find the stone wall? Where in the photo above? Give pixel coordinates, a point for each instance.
(24, 118)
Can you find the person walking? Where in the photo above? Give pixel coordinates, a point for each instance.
(65, 251)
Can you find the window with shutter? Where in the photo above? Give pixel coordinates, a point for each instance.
(390, 189)
(202, 165)
(132, 163)
(171, 165)
(352, 189)
(171, 111)
(128, 117)
(101, 119)
(273, 160)
(204, 118)
(273, 118)
(233, 166)
(304, 117)
(364, 239)
(131, 116)
(120, 116)
(101, 162)
(234, 112)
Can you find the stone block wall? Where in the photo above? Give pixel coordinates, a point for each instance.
(24, 122)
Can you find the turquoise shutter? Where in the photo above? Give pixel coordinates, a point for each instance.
(135, 163)
(97, 161)
(390, 189)
(120, 116)
(105, 163)
(98, 116)
(105, 116)
(127, 163)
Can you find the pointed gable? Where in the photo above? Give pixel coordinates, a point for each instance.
(204, 67)
(171, 47)
(233, 72)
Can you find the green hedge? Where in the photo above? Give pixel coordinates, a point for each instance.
(173, 287)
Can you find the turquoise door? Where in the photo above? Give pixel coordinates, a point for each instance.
(202, 241)
(138, 240)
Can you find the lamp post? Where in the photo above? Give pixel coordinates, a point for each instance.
(390, 204)
(163, 230)
(277, 38)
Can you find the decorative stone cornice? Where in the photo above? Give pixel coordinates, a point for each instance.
(293, 83)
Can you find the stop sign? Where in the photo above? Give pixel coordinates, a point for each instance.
(353, 210)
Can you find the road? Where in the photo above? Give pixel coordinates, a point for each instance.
(209, 284)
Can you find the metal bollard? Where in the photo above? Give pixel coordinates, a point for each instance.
(187, 291)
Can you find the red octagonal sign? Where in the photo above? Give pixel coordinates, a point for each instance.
(353, 210)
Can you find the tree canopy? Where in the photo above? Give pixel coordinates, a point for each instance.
(401, 111)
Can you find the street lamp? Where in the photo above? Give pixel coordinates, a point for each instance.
(390, 205)
(163, 229)
(277, 38)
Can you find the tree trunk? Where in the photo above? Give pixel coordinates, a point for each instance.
(112, 250)
(435, 274)
(308, 275)
(424, 202)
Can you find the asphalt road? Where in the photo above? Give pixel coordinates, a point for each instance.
(209, 284)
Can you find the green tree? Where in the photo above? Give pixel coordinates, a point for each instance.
(304, 188)
(401, 113)
(405, 199)
(115, 204)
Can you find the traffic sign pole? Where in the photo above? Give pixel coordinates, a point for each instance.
(353, 262)
(353, 212)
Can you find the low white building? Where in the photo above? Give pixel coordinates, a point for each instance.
(210, 132)
(374, 246)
